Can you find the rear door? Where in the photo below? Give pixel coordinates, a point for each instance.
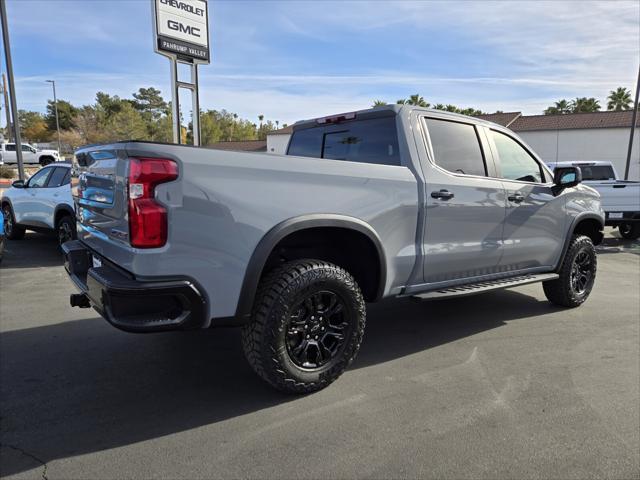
(53, 194)
(535, 224)
(465, 207)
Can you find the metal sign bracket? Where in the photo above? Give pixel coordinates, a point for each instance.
(176, 85)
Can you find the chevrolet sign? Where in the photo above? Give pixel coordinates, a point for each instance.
(182, 29)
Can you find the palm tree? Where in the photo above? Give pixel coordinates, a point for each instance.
(417, 100)
(402, 101)
(260, 118)
(560, 107)
(619, 99)
(440, 106)
(584, 105)
(379, 103)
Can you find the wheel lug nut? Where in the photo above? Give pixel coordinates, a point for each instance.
(307, 336)
(312, 317)
(321, 328)
(316, 337)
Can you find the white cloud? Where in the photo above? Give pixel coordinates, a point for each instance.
(536, 52)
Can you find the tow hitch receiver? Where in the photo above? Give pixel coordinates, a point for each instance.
(79, 300)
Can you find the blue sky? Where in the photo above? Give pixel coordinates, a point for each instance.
(298, 59)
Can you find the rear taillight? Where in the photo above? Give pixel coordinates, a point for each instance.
(148, 218)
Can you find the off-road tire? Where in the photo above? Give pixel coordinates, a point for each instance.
(264, 339)
(630, 231)
(12, 230)
(562, 291)
(65, 229)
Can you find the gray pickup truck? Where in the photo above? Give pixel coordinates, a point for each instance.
(392, 201)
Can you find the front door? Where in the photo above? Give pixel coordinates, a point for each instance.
(27, 208)
(534, 226)
(465, 208)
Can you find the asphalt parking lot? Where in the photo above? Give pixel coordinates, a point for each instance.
(501, 385)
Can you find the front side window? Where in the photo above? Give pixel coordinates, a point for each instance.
(456, 147)
(515, 162)
(366, 141)
(27, 148)
(39, 179)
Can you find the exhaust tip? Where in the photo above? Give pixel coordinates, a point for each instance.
(79, 300)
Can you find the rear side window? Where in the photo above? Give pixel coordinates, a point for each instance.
(515, 162)
(365, 141)
(57, 177)
(456, 147)
(10, 148)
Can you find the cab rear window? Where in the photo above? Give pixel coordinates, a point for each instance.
(366, 141)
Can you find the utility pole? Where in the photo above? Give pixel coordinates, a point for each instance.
(55, 102)
(633, 127)
(12, 88)
(6, 106)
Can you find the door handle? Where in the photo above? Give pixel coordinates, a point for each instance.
(515, 197)
(442, 194)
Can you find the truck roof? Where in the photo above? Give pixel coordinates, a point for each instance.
(595, 163)
(387, 110)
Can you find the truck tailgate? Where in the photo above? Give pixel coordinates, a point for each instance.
(621, 196)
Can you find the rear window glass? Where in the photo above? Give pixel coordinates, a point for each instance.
(597, 172)
(365, 141)
(456, 147)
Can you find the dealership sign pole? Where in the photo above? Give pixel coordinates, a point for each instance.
(181, 33)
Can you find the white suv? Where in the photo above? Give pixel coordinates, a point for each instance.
(42, 203)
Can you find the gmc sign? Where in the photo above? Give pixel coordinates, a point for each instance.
(182, 29)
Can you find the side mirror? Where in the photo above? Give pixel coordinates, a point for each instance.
(18, 184)
(566, 177)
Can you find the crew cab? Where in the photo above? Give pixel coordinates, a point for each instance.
(30, 154)
(396, 201)
(620, 198)
(43, 204)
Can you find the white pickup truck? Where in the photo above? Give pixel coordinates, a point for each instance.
(620, 198)
(30, 154)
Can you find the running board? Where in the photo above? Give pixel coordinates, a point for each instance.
(481, 287)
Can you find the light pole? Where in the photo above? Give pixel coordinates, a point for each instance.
(55, 102)
(12, 90)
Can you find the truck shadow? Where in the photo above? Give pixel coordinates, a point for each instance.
(33, 251)
(81, 386)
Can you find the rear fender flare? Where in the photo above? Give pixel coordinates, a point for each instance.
(276, 234)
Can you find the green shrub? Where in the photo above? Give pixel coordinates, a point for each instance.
(7, 172)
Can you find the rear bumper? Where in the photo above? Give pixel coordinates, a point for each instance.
(627, 217)
(130, 304)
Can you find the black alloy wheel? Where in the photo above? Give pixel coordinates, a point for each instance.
(317, 329)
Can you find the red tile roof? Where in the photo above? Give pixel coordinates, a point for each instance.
(574, 121)
(504, 118)
(243, 146)
(283, 131)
